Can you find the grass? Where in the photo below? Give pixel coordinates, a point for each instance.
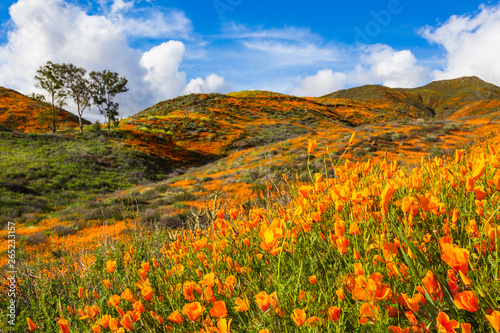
(42, 172)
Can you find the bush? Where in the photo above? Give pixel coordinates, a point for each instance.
(96, 127)
(63, 230)
(35, 239)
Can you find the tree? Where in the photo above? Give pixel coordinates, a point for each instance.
(78, 88)
(50, 79)
(105, 86)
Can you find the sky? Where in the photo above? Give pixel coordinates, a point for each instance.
(168, 48)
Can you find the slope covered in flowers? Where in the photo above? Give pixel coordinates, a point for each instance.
(370, 247)
(19, 112)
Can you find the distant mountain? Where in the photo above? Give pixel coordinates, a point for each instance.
(19, 112)
(456, 98)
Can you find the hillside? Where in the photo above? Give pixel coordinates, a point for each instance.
(166, 165)
(446, 99)
(19, 113)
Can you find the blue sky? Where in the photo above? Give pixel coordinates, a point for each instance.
(173, 47)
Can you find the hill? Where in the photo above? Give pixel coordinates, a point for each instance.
(446, 99)
(19, 113)
(167, 164)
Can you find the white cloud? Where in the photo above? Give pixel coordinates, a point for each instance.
(43, 30)
(323, 82)
(382, 64)
(120, 5)
(286, 53)
(378, 64)
(282, 47)
(472, 45)
(162, 64)
(211, 83)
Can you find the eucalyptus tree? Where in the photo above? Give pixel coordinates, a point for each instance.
(105, 86)
(78, 88)
(50, 78)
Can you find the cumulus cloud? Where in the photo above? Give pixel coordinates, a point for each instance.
(211, 83)
(323, 82)
(55, 30)
(378, 64)
(382, 64)
(162, 64)
(472, 44)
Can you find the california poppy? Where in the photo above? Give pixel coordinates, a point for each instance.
(457, 258)
(334, 313)
(32, 326)
(241, 305)
(494, 320)
(219, 309)
(299, 317)
(193, 310)
(466, 300)
(64, 325)
(127, 322)
(445, 325)
(175, 317)
(110, 266)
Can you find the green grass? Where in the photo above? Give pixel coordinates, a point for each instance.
(40, 172)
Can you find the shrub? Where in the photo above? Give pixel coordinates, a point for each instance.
(35, 238)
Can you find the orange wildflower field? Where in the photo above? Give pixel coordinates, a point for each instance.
(364, 210)
(370, 247)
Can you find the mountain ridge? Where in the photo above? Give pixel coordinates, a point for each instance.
(440, 99)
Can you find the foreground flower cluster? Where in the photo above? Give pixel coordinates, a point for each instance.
(363, 248)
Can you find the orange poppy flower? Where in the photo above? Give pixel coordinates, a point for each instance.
(466, 328)
(114, 301)
(299, 317)
(147, 293)
(104, 321)
(478, 170)
(458, 155)
(466, 300)
(334, 313)
(175, 317)
(224, 326)
(368, 311)
(351, 140)
(64, 325)
(340, 294)
(409, 303)
(139, 307)
(494, 319)
(110, 266)
(342, 244)
(457, 258)
(113, 324)
(80, 292)
(107, 283)
(262, 300)
(127, 322)
(241, 305)
(127, 295)
(270, 237)
(219, 309)
(312, 279)
(445, 325)
(32, 326)
(96, 329)
(193, 310)
(311, 145)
